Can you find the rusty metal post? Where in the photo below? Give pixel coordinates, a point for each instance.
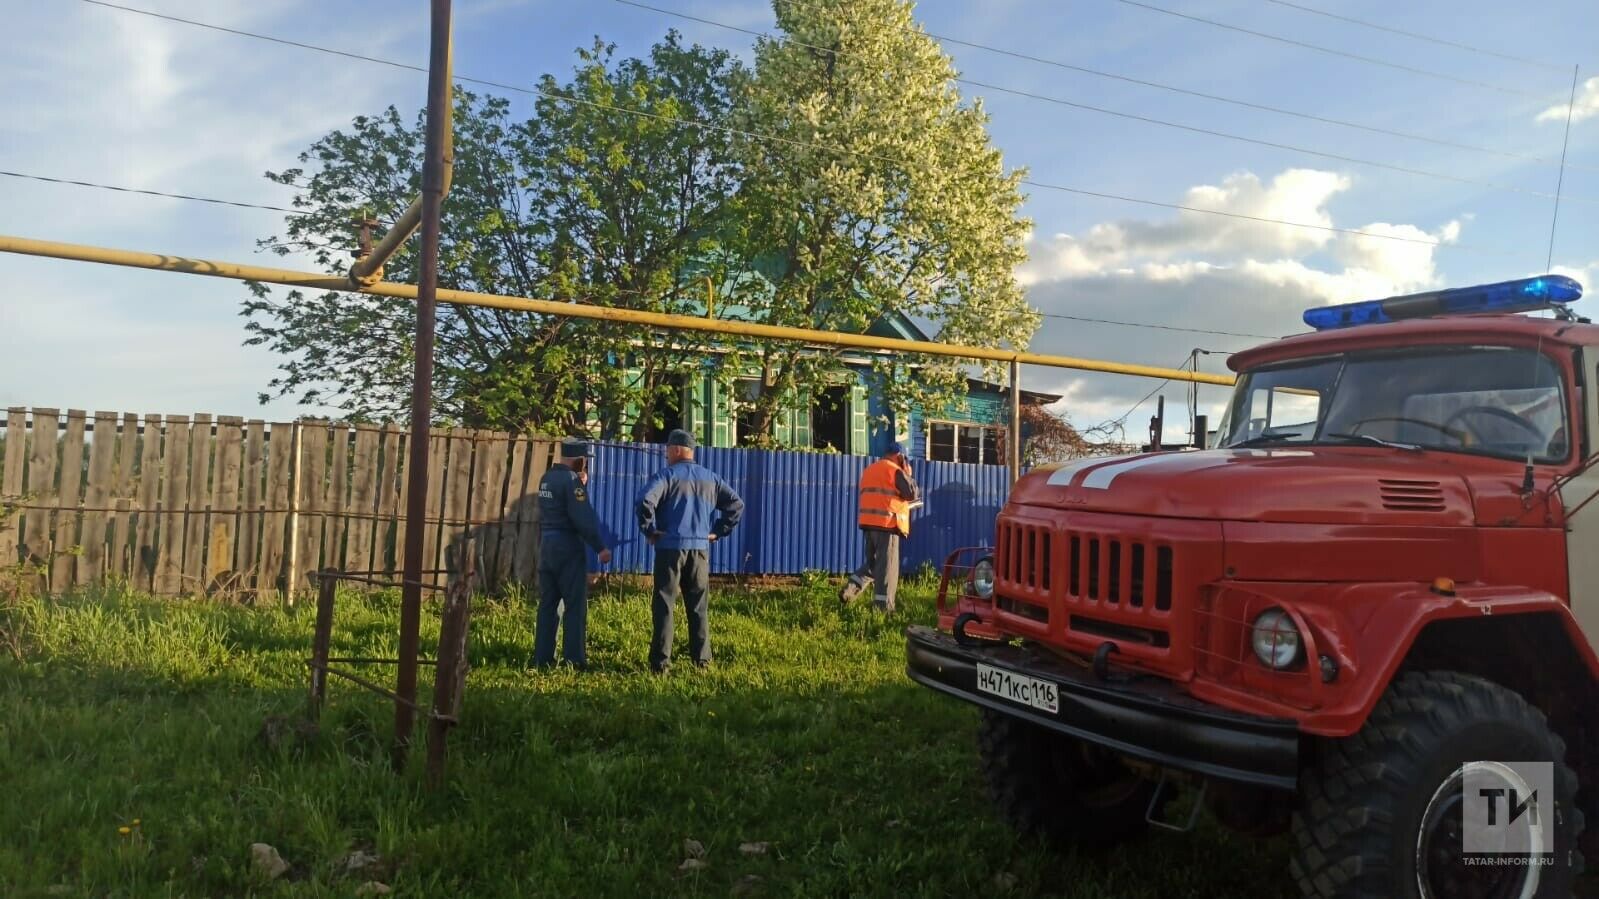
(1015, 442)
(322, 639)
(449, 674)
(439, 98)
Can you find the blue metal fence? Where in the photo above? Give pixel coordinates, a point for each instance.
(799, 508)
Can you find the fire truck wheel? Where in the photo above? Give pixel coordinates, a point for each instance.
(1060, 788)
(1380, 813)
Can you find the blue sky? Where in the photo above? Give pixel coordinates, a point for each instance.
(102, 95)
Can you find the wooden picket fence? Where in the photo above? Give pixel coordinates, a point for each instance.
(183, 504)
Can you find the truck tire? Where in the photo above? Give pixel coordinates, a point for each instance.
(1379, 812)
(1060, 788)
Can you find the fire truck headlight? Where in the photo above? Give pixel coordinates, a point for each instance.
(1275, 639)
(983, 578)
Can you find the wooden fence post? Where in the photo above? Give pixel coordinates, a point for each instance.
(292, 579)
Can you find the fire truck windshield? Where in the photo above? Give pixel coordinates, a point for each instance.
(1495, 401)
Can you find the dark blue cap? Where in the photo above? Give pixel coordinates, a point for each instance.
(680, 437)
(898, 449)
(574, 449)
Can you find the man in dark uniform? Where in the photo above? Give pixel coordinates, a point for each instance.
(569, 525)
(682, 510)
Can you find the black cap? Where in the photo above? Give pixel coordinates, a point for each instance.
(574, 449)
(681, 438)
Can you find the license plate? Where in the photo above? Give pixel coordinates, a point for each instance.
(1018, 688)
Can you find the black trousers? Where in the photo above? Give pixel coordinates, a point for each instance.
(563, 599)
(686, 572)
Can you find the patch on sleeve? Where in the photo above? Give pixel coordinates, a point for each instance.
(579, 494)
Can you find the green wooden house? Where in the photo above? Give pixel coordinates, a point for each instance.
(850, 417)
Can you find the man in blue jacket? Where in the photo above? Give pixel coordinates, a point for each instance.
(682, 509)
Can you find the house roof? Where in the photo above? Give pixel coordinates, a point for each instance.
(897, 326)
(1029, 397)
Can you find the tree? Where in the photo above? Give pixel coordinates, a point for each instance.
(1053, 438)
(580, 202)
(870, 189)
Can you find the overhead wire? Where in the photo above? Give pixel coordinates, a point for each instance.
(1108, 321)
(1245, 104)
(1150, 120)
(287, 211)
(1444, 42)
(1371, 60)
(193, 198)
(773, 138)
(155, 193)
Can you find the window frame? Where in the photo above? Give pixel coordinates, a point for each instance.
(998, 442)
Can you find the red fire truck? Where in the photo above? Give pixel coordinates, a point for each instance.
(1369, 599)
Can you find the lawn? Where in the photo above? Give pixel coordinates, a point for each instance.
(806, 735)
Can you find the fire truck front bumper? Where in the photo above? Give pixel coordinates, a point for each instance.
(1140, 716)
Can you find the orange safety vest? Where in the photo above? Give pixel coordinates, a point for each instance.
(881, 506)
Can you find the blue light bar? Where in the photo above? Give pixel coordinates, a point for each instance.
(1506, 296)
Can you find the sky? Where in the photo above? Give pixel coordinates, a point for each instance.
(98, 94)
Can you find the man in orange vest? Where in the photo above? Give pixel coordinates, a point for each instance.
(887, 493)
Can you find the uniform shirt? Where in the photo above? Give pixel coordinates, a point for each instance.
(680, 504)
(564, 507)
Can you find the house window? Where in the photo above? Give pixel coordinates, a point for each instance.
(745, 394)
(668, 410)
(970, 449)
(971, 444)
(830, 420)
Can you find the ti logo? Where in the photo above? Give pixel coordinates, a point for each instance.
(1499, 803)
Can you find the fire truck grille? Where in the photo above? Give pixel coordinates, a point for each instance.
(1079, 579)
(1118, 572)
(1088, 584)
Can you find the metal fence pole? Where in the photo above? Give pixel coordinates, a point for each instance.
(433, 166)
(1015, 442)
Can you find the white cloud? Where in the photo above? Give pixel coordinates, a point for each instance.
(108, 96)
(1212, 275)
(1295, 195)
(1587, 105)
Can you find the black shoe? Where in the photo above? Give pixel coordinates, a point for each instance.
(702, 664)
(663, 668)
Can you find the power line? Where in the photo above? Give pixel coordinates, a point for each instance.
(1195, 129)
(1217, 98)
(1571, 107)
(1108, 321)
(1132, 115)
(773, 138)
(1418, 36)
(175, 196)
(1117, 423)
(1249, 104)
(1329, 50)
(156, 193)
(1354, 232)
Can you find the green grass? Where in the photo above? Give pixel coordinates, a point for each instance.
(807, 735)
